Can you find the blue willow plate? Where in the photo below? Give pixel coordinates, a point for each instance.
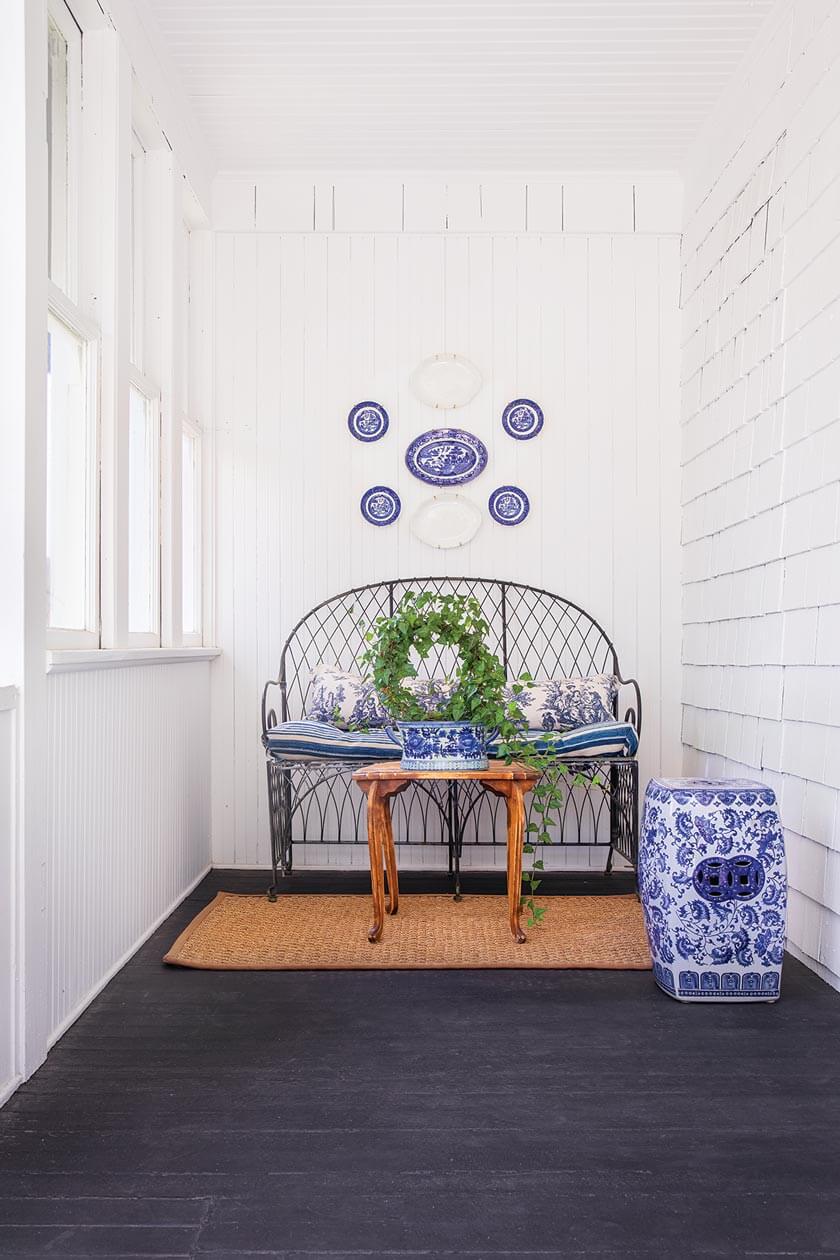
(446, 457)
(509, 505)
(368, 421)
(380, 505)
(522, 419)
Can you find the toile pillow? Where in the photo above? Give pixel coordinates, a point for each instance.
(346, 700)
(343, 699)
(563, 704)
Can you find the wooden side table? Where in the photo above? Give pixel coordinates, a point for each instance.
(385, 779)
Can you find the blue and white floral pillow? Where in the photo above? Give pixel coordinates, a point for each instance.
(347, 700)
(343, 699)
(563, 704)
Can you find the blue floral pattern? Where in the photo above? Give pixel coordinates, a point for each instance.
(522, 419)
(368, 421)
(712, 880)
(508, 505)
(446, 457)
(380, 505)
(442, 746)
(564, 704)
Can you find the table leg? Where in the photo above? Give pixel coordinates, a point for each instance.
(515, 801)
(390, 857)
(377, 875)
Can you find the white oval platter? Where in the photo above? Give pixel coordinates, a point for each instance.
(445, 521)
(445, 381)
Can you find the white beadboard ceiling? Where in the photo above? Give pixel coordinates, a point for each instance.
(442, 84)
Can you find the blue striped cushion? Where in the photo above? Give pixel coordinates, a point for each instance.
(300, 740)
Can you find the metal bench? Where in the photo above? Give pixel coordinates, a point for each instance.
(314, 799)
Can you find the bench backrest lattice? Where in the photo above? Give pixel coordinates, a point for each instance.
(532, 631)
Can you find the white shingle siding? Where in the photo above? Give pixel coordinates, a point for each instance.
(761, 450)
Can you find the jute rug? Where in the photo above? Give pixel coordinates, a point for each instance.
(303, 932)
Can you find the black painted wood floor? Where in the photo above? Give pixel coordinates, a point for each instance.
(417, 1114)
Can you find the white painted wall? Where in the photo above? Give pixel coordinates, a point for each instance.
(761, 450)
(309, 323)
(128, 805)
(103, 795)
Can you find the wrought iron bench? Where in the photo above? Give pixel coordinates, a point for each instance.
(312, 796)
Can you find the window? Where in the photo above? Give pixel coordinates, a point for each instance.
(136, 259)
(120, 561)
(144, 421)
(143, 514)
(71, 478)
(191, 469)
(72, 361)
(191, 532)
(64, 81)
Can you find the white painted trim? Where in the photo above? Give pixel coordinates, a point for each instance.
(8, 698)
(72, 661)
(155, 69)
(812, 964)
(9, 1088)
(62, 1028)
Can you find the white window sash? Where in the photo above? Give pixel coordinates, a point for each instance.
(195, 638)
(150, 391)
(68, 313)
(63, 19)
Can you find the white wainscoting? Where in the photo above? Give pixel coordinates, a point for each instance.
(128, 815)
(307, 325)
(10, 1068)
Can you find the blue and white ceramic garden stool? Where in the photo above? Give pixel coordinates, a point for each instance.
(713, 887)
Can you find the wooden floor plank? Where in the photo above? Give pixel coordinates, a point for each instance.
(398, 1114)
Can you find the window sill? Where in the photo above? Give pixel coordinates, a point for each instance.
(73, 660)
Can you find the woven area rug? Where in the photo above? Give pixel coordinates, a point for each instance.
(304, 932)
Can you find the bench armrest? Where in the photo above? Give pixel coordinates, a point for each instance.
(633, 715)
(269, 716)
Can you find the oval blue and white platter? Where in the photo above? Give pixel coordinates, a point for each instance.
(446, 457)
(368, 421)
(508, 505)
(380, 505)
(522, 419)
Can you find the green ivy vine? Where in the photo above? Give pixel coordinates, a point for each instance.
(426, 622)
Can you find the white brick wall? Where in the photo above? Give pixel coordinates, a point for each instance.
(761, 450)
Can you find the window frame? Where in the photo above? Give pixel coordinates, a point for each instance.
(194, 638)
(60, 15)
(63, 305)
(59, 306)
(152, 393)
(138, 233)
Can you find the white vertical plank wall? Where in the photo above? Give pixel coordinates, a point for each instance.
(9, 1031)
(127, 752)
(761, 452)
(308, 324)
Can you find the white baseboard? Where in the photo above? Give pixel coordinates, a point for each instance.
(82, 1006)
(811, 963)
(9, 1088)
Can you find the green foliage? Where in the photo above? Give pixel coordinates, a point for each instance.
(426, 623)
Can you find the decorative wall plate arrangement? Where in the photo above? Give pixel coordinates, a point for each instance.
(446, 520)
(380, 505)
(445, 381)
(368, 421)
(508, 505)
(522, 419)
(446, 457)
